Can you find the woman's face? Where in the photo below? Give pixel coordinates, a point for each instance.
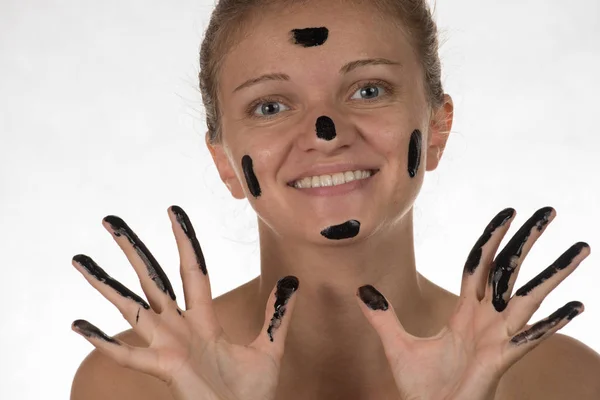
(324, 113)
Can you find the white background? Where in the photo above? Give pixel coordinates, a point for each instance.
(99, 115)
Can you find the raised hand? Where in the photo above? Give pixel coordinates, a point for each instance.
(487, 332)
(187, 349)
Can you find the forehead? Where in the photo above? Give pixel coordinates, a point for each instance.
(355, 32)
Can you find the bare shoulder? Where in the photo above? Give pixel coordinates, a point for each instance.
(100, 378)
(559, 368)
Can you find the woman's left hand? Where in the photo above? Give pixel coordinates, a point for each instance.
(487, 332)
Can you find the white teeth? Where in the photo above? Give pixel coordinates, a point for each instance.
(331, 180)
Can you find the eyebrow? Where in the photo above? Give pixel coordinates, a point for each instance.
(344, 70)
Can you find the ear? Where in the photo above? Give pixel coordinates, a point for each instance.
(226, 171)
(439, 130)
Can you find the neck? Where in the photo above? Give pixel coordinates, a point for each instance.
(329, 338)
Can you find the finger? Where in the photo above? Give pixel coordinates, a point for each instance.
(382, 317)
(271, 339)
(529, 297)
(137, 358)
(505, 268)
(196, 284)
(154, 281)
(133, 308)
(476, 268)
(526, 340)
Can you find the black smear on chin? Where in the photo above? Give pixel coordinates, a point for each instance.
(251, 179)
(309, 37)
(285, 288)
(155, 272)
(508, 259)
(414, 153)
(475, 255)
(325, 128)
(348, 229)
(94, 269)
(188, 229)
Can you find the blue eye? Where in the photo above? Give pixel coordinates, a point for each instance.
(267, 104)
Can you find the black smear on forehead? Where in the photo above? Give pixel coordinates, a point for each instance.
(348, 229)
(251, 179)
(414, 153)
(309, 37)
(325, 128)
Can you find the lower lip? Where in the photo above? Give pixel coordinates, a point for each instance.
(338, 189)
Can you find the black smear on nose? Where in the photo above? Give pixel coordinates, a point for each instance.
(508, 259)
(188, 229)
(348, 229)
(568, 311)
(372, 298)
(90, 330)
(561, 263)
(285, 288)
(309, 37)
(251, 179)
(155, 272)
(414, 153)
(94, 269)
(475, 255)
(325, 128)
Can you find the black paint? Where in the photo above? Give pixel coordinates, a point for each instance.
(155, 272)
(137, 317)
(90, 330)
(372, 298)
(348, 229)
(536, 331)
(251, 180)
(309, 37)
(285, 289)
(475, 255)
(414, 153)
(325, 128)
(561, 263)
(186, 225)
(94, 269)
(509, 258)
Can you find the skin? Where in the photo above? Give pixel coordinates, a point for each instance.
(327, 324)
(331, 349)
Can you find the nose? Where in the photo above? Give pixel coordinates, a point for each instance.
(327, 133)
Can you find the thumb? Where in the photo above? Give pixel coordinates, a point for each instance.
(383, 318)
(271, 339)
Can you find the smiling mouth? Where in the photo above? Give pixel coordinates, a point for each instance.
(371, 172)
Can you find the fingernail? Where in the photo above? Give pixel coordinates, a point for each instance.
(372, 298)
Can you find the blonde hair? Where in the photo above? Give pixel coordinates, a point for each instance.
(230, 18)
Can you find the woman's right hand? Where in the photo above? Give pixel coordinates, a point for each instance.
(187, 349)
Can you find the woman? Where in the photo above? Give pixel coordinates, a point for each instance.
(333, 177)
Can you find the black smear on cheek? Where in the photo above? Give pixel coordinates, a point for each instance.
(155, 272)
(508, 259)
(309, 37)
(475, 255)
(90, 330)
(348, 229)
(325, 128)
(94, 269)
(285, 288)
(186, 225)
(568, 311)
(414, 153)
(251, 180)
(372, 298)
(561, 263)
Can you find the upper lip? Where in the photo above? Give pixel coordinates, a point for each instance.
(328, 169)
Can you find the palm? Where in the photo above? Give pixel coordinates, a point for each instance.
(487, 332)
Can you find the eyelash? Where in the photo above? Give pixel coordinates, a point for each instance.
(268, 99)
